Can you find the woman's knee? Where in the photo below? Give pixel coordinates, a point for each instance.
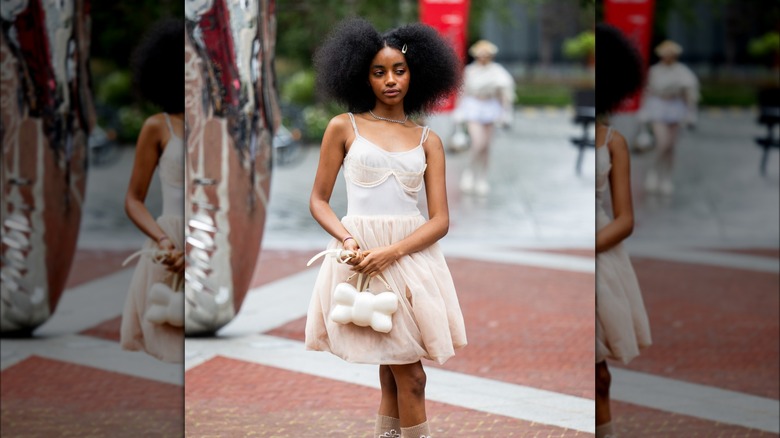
(411, 379)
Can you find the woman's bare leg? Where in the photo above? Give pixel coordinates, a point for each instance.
(603, 382)
(387, 422)
(388, 406)
(410, 381)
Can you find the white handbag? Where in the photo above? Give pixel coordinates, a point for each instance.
(357, 304)
(165, 303)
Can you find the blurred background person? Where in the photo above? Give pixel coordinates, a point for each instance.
(486, 103)
(670, 103)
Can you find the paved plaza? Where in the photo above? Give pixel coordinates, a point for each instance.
(523, 264)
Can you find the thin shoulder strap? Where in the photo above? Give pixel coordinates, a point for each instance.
(354, 125)
(608, 136)
(168, 121)
(426, 131)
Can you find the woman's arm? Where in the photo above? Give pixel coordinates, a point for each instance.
(147, 154)
(332, 154)
(378, 259)
(620, 189)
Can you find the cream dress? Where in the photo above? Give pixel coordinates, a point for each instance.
(622, 328)
(162, 341)
(382, 190)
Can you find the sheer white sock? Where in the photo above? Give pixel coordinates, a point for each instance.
(419, 431)
(605, 431)
(387, 427)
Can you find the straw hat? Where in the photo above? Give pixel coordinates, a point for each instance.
(668, 48)
(484, 48)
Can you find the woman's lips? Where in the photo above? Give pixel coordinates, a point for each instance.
(392, 92)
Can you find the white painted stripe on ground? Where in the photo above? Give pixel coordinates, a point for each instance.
(703, 257)
(458, 389)
(520, 257)
(91, 352)
(88, 304)
(695, 400)
(298, 288)
(81, 308)
(273, 304)
(285, 300)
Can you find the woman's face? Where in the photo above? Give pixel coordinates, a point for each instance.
(484, 58)
(668, 58)
(389, 76)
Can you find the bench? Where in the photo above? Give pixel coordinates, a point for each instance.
(769, 115)
(584, 115)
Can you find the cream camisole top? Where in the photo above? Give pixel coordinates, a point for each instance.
(380, 182)
(171, 172)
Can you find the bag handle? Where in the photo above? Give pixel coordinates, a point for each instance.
(157, 255)
(343, 256)
(362, 286)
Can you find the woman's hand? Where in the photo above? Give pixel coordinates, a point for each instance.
(376, 261)
(352, 245)
(164, 244)
(175, 262)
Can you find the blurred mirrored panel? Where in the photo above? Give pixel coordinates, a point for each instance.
(231, 112)
(704, 142)
(73, 364)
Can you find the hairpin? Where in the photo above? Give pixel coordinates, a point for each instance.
(403, 49)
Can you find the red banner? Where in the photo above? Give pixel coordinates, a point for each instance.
(635, 19)
(450, 18)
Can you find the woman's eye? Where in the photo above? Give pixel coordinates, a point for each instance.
(400, 72)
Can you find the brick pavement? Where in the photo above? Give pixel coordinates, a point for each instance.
(254, 400)
(638, 421)
(712, 326)
(529, 326)
(50, 398)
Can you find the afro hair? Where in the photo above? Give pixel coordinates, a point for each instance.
(343, 61)
(158, 65)
(619, 68)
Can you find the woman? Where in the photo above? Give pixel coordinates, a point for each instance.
(158, 74)
(670, 101)
(622, 327)
(488, 93)
(387, 159)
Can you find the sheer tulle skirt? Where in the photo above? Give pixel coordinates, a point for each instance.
(162, 341)
(622, 326)
(428, 323)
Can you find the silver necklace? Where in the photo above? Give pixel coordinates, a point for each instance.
(406, 117)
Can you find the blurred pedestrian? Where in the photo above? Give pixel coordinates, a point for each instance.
(670, 102)
(622, 327)
(387, 159)
(157, 65)
(488, 94)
